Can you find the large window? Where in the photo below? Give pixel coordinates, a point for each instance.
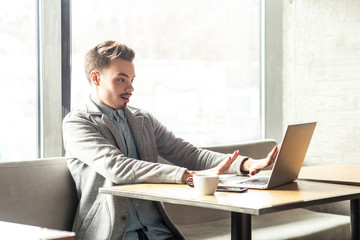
(197, 66)
(197, 63)
(18, 77)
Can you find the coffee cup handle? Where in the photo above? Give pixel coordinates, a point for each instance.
(190, 181)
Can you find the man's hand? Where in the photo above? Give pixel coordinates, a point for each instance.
(254, 166)
(219, 169)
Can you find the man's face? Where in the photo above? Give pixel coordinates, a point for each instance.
(115, 83)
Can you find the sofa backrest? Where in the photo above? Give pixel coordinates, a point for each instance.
(38, 192)
(255, 149)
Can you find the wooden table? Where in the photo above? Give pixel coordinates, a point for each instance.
(253, 202)
(15, 231)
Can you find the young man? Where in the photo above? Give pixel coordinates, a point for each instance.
(109, 143)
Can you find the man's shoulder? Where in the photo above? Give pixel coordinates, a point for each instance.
(83, 112)
(137, 111)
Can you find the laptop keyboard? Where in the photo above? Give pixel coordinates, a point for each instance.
(256, 181)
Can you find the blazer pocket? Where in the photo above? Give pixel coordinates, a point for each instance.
(97, 223)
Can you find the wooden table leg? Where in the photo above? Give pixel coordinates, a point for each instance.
(240, 226)
(355, 218)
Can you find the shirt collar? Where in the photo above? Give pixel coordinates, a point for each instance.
(108, 111)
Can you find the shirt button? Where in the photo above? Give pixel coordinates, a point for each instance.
(137, 205)
(123, 218)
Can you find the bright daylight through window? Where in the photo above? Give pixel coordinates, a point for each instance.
(18, 91)
(197, 62)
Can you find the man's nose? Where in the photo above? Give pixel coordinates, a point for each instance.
(130, 87)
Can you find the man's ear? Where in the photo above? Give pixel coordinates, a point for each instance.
(95, 77)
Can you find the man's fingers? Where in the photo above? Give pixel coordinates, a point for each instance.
(222, 166)
(225, 165)
(253, 171)
(272, 155)
(276, 151)
(235, 155)
(232, 158)
(273, 151)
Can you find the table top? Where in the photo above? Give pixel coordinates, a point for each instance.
(342, 174)
(256, 202)
(15, 231)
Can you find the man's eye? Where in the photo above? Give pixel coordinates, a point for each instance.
(120, 80)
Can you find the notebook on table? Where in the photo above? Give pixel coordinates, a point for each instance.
(288, 162)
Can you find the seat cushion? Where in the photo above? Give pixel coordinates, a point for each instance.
(292, 224)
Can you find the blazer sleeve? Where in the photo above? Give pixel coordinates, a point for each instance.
(87, 141)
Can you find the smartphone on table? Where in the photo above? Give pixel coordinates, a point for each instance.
(231, 189)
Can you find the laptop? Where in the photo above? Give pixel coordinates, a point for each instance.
(288, 162)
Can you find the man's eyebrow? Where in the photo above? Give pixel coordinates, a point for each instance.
(125, 75)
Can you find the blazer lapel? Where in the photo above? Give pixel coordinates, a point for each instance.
(95, 111)
(109, 124)
(136, 124)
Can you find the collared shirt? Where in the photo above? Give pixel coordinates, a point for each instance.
(142, 214)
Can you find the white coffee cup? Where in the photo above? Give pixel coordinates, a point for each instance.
(204, 184)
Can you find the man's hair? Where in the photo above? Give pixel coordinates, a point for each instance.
(101, 56)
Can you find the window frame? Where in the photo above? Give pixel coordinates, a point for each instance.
(272, 69)
(53, 74)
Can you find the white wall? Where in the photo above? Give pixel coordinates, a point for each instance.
(321, 76)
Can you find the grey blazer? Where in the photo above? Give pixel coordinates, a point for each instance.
(95, 158)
